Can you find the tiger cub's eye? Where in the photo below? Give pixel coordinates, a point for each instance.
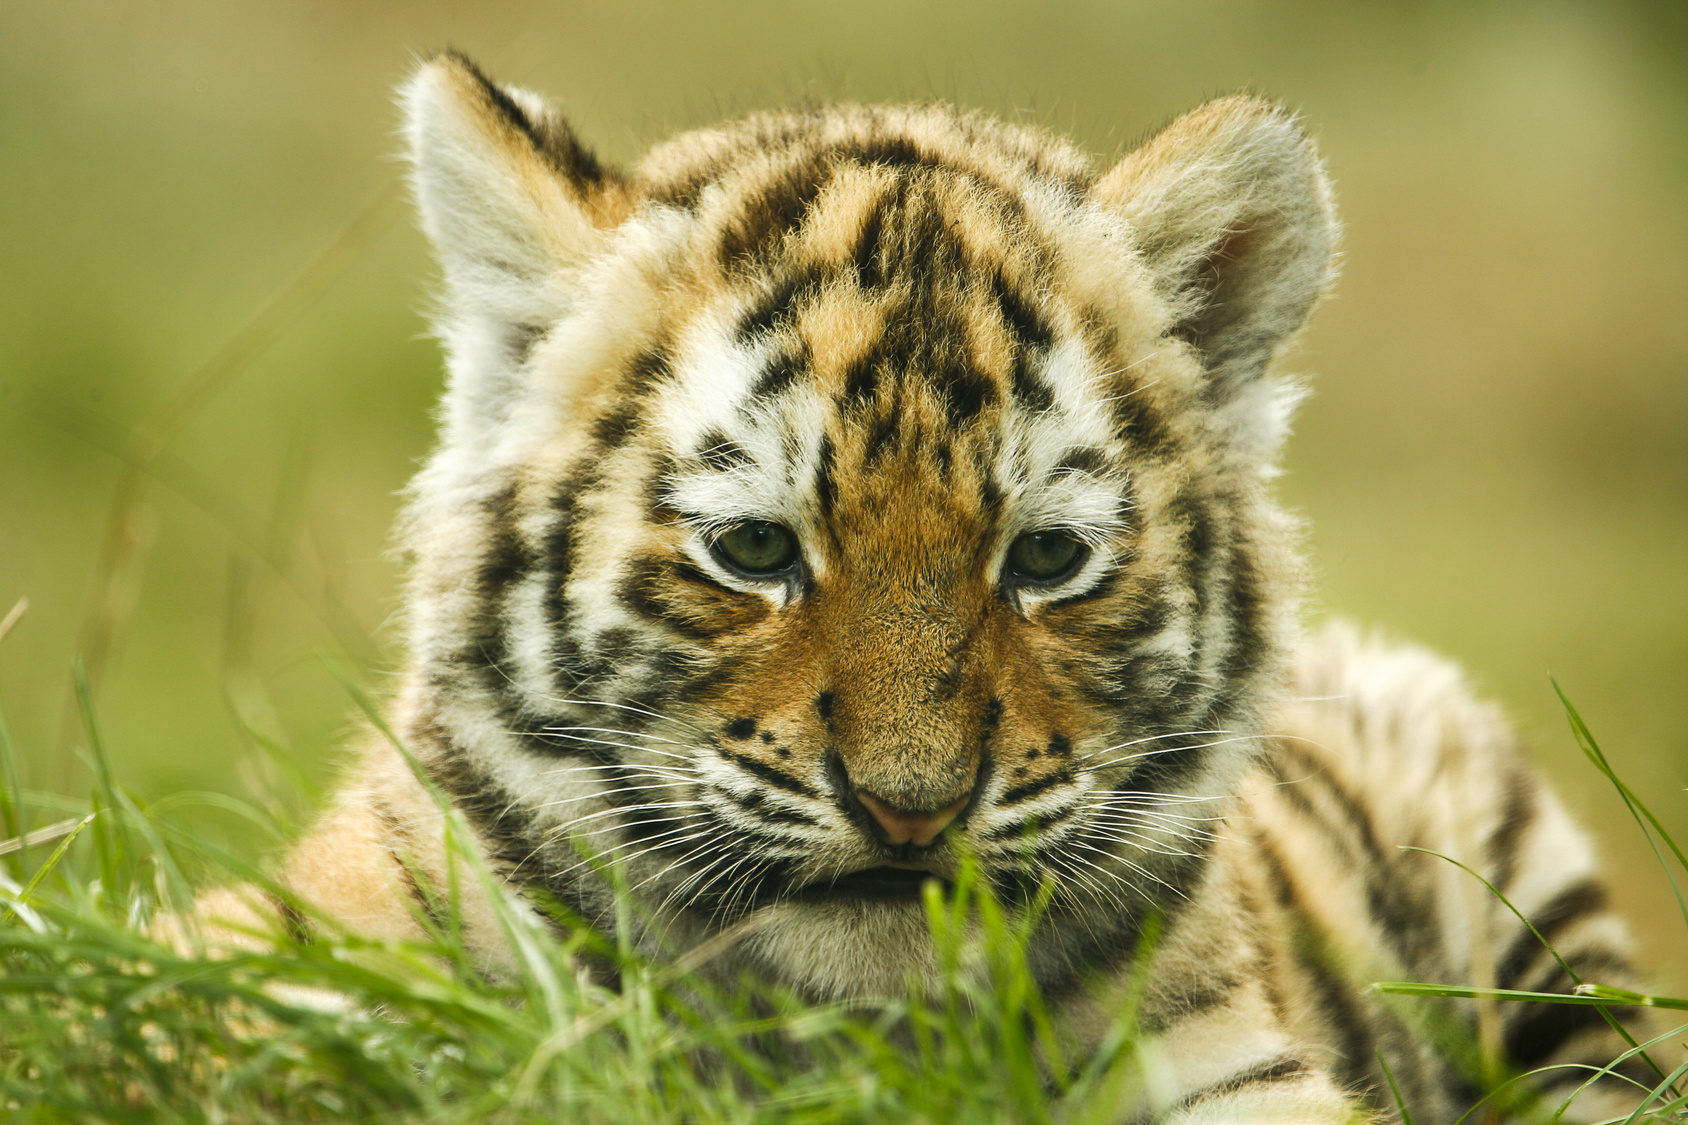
(758, 547)
(1045, 556)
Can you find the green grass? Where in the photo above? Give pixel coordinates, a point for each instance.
(100, 1022)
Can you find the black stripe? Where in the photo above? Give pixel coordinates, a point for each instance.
(773, 776)
(516, 844)
(1517, 813)
(1189, 510)
(990, 491)
(1398, 890)
(1172, 765)
(1147, 610)
(559, 550)
(653, 364)
(1020, 315)
(423, 901)
(519, 340)
(777, 305)
(721, 452)
(1196, 1000)
(1103, 587)
(1541, 1029)
(1339, 1005)
(551, 138)
(505, 560)
(1028, 389)
(758, 805)
(401, 845)
(870, 271)
(1279, 1070)
(1578, 900)
(700, 679)
(895, 151)
(1081, 459)
(551, 736)
(1032, 788)
(882, 439)
(1139, 426)
(1038, 822)
(965, 392)
(774, 209)
(293, 921)
(782, 371)
(648, 588)
(861, 381)
(613, 428)
(823, 476)
(1247, 596)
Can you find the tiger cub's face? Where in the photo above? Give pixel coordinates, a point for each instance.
(843, 492)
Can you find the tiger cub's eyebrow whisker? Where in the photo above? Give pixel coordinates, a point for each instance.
(1121, 816)
(613, 810)
(562, 730)
(628, 707)
(1137, 840)
(1166, 750)
(1101, 881)
(1129, 863)
(623, 745)
(1152, 738)
(675, 775)
(628, 746)
(607, 857)
(603, 795)
(684, 825)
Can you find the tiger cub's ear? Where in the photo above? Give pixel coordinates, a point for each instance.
(512, 202)
(1234, 216)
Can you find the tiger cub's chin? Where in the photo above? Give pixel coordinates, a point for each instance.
(841, 947)
(839, 492)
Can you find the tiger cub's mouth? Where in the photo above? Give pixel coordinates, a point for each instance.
(876, 882)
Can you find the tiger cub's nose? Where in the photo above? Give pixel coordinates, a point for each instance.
(907, 826)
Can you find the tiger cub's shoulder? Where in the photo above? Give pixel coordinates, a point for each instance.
(1389, 795)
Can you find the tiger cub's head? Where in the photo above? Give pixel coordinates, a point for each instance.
(842, 491)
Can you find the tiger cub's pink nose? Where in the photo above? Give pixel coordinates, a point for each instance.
(904, 826)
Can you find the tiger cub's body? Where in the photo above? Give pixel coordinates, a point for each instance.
(843, 491)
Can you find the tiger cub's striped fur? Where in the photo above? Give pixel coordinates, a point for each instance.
(844, 490)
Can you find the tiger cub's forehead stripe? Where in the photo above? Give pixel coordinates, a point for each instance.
(901, 306)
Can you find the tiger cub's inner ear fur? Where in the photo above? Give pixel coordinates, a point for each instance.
(1235, 219)
(512, 203)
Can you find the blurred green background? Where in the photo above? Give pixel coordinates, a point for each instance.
(1495, 462)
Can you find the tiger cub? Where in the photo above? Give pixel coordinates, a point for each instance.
(844, 490)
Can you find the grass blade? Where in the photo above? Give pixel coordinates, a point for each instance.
(1637, 808)
(1593, 996)
(1395, 1090)
(13, 616)
(45, 869)
(40, 836)
(11, 792)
